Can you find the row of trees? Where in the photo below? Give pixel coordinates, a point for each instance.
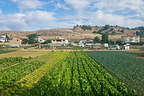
(84, 27)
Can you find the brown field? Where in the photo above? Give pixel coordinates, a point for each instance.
(23, 53)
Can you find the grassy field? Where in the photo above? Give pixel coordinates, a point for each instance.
(5, 51)
(124, 65)
(23, 53)
(58, 74)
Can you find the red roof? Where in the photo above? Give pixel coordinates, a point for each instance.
(130, 36)
(19, 37)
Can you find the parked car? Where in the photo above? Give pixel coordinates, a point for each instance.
(114, 47)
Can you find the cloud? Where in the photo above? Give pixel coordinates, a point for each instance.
(77, 4)
(101, 18)
(30, 4)
(59, 5)
(120, 5)
(28, 20)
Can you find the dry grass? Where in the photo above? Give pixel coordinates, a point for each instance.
(23, 53)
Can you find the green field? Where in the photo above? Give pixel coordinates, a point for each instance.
(123, 65)
(5, 51)
(58, 74)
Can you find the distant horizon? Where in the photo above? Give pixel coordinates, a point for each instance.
(48, 14)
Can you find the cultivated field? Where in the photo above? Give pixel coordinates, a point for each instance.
(58, 74)
(127, 66)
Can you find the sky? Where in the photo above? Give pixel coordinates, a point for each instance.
(47, 14)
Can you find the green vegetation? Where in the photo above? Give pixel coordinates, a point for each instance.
(79, 75)
(96, 40)
(31, 39)
(5, 51)
(58, 74)
(126, 66)
(84, 27)
(105, 38)
(47, 41)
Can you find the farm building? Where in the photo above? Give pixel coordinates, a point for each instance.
(60, 41)
(130, 39)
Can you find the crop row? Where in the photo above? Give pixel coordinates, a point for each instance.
(21, 87)
(11, 61)
(79, 75)
(123, 65)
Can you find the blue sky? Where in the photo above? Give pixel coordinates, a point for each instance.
(46, 14)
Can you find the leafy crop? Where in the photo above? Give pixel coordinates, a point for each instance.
(125, 66)
(79, 75)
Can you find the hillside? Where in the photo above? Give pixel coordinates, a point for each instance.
(79, 32)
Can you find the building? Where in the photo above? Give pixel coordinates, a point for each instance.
(17, 40)
(4, 38)
(86, 42)
(60, 41)
(40, 40)
(130, 39)
(97, 46)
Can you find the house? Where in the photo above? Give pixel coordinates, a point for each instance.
(130, 39)
(86, 42)
(17, 40)
(126, 46)
(40, 40)
(4, 38)
(97, 46)
(59, 41)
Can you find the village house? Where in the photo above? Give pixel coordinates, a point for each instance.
(40, 39)
(16, 41)
(59, 41)
(130, 39)
(4, 38)
(86, 42)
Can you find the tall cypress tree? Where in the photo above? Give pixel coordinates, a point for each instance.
(105, 38)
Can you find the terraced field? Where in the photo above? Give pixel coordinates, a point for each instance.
(58, 74)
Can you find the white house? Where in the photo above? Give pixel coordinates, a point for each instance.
(126, 46)
(86, 42)
(40, 40)
(60, 41)
(3, 38)
(130, 39)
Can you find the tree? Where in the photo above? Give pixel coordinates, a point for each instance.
(96, 40)
(119, 42)
(106, 27)
(7, 38)
(24, 41)
(105, 38)
(94, 31)
(32, 38)
(47, 41)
